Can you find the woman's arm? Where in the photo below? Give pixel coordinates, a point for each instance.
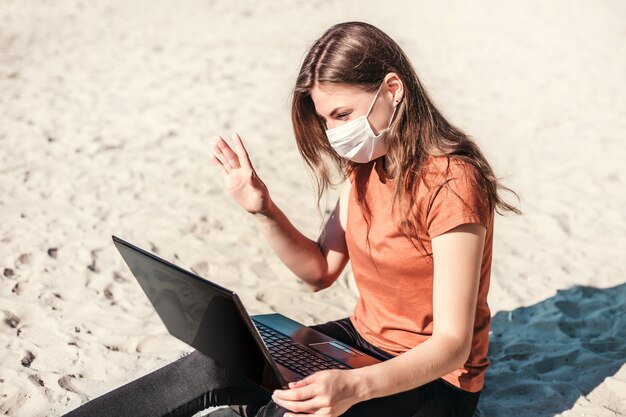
(457, 257)
(319, 263)
(457, 261)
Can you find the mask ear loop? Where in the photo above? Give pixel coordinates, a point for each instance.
(372, 105)
(392, 114)
(373, 101)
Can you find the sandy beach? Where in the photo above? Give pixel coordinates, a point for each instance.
(108, 111)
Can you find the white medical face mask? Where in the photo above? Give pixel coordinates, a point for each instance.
(355, 140)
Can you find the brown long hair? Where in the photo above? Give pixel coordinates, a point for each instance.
(361, 55)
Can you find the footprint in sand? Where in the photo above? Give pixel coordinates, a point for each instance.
(25, 258)
(16, 289)
(11, 319)
(108, 293)
(556, 362)
(93, 266)
(519, 351)
(36, 380)
(118, 277)
(568, 308)
(28, 359)
(65, 382)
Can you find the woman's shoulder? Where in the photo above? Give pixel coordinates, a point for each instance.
(440, 169)
(457, 195)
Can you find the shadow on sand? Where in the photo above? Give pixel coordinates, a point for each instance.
(545, 356)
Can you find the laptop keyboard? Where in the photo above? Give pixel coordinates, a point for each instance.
(293, 356)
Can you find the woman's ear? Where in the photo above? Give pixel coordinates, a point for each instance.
(395, 87)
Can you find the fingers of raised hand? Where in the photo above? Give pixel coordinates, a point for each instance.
(241, 151)
(225, 154)
(221, 158)
(219, 165)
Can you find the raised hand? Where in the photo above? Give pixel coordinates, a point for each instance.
(240, 179)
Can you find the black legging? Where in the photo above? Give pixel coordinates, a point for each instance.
(195, 382)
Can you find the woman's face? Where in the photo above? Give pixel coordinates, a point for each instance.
(339, 103)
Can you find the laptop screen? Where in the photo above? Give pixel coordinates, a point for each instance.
(198, 312)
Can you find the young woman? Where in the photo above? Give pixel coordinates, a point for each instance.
(414, 217)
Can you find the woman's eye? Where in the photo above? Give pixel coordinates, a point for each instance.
(343, 115)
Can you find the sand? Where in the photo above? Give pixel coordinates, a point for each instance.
(108, 112)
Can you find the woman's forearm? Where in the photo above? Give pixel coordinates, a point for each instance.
(300, 254)
(426, 362)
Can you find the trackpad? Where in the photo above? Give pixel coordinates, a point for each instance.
(335, 349)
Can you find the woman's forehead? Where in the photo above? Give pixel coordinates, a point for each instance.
(330, 95)
(334, 89)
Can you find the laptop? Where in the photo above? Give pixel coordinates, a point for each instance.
(269, 349)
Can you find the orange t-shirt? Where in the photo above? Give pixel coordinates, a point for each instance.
(394, 311)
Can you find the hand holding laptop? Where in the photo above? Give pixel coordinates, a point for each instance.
(330, 391)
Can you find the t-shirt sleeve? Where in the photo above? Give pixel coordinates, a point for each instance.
(460, 200)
